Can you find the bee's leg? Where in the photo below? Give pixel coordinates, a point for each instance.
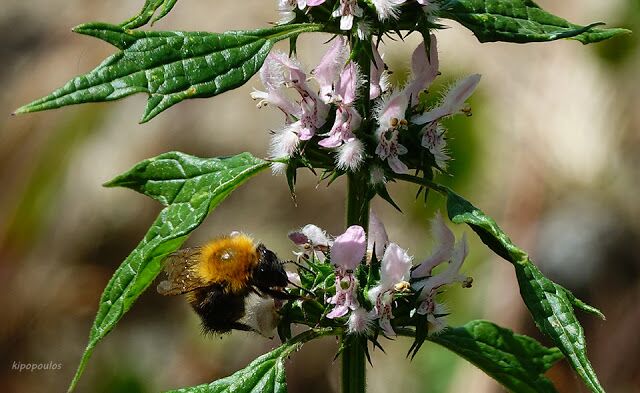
(282, 295)
(277, 294)
(241, 326)
(219, 311)
(301, 266)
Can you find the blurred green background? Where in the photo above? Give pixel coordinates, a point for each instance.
(552, 153)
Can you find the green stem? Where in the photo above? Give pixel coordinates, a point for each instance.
(358, 197)
(422, 182)
(354, 378)
(353, 356)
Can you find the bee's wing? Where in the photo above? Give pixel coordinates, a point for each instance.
(180, 268)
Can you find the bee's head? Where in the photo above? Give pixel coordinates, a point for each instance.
(269, 272)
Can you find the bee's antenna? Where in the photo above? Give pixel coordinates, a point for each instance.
(306, 269)
(305, 290)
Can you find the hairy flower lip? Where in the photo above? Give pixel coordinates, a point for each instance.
(453, 102)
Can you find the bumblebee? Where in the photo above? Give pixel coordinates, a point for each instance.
(230, 282)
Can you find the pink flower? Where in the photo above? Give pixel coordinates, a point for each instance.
(294, 278)
(346, 122)
(287, 7)
(394, 273)
(433, 139)
(423, 70)
(396, 264)
(444, 240)
(350, 155)
(349, 249)
(273, 79)
(389, 149)
(312, 236)
(345, 298)
(281, 71)
(284, 144)
(313, 242)
(436, 315)
(453, 102)
(377, 176)
(378, 238)
(387, 8)
(310, 3)
(347, 10)
(390, 115)
(360, 322)
(379, 76)
(347, 252)
(347, 119)
(286, 10)
(429, 286)
(328, 70)
(430, 7)
(363, 30)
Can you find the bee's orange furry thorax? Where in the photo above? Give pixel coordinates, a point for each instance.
(229, 260)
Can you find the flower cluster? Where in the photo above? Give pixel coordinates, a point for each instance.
(324, 116)
(347, 11)
(365, 304)
(397, 111)
(338, 81)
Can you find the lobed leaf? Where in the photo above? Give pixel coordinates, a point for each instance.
(147, 12)
(190, 188)
(169, 66)
(518, 362)
(519, 21)
(550, 304)
(265, 374)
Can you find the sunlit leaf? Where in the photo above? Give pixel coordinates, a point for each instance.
(146, 13)
(169, 66)
(518, 362)
(190, 188)
(550, 304)
(519, 21)
(266, 374)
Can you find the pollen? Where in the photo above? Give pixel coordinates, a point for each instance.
(229, 261)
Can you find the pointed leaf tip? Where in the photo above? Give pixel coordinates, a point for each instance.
(518, 362)
(519, 21)
(551, 305)
(169, 66)
(112, 34)
(146, 14)
(190, 188)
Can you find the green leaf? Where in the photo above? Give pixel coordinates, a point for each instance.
(147, 11)
(518, 362)
(265, 374)
(191, 188)
(519, 21)
(168, 66)
(550, 304)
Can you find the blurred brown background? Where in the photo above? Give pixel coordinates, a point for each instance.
(552, 153)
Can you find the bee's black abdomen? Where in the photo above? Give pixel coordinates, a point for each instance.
(219, 311)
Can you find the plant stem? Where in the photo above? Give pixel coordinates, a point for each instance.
(354, 379)
(353, 356)
(358, 196)
(358, 200)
